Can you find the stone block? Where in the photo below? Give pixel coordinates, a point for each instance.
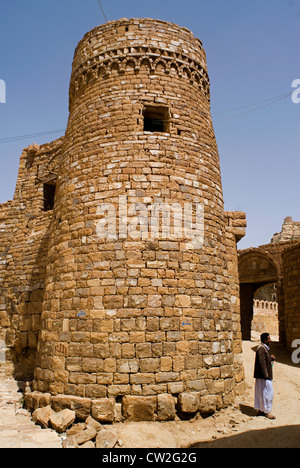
(81, 406)
(103, 410)
(86, 435)
(165, 408)
(183, 301)
(175, 387)
(95, 391)
(93, 423)
(189, 402)
(113, 302)
(41, 416)
(208, 404)
(106, 439)
(62, 420)
(35, 400)
(139, 408)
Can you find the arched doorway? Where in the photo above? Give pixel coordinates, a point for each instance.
(257, 268)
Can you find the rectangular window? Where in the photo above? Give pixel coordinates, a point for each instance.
(156, 119)
(49, 195)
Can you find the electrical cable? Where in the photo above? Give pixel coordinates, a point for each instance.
(255, 103)
(268, 102)
(105, 17)
(252, 110)
(32, 135)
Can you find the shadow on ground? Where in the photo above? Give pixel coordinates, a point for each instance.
(277, 437)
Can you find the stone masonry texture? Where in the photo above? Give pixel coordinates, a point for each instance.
(145, 324)
(291, 283)
(277, 263)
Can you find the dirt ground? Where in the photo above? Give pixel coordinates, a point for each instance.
(236, 427)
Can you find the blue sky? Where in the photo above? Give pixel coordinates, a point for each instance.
(252, 53)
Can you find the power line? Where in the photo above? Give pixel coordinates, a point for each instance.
(32, 135)
(265, 103)
(270, 103)
(270, 100)
(105, 17)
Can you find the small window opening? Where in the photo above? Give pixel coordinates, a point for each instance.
(156, 119)
(49, 195)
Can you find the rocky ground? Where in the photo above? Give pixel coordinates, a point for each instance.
(235, 427)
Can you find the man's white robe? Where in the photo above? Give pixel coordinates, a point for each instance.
(264, 394)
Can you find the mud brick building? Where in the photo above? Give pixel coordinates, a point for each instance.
(142, 325)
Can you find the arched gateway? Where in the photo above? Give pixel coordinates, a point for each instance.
(257, 268)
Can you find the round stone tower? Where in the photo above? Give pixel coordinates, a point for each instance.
(139, 299)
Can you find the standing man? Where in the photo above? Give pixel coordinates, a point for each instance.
(263, 374)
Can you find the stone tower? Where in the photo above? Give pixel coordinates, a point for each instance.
(141, 298)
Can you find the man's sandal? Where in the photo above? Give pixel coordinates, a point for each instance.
(270, 416)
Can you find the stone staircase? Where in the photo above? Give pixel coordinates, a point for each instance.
(6, 367)
(17, 430)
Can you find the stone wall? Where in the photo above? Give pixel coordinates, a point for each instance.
(130, 311)
(235, 231)
(291, 284)
(265, 318)
(24, 226)
(290, 231)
